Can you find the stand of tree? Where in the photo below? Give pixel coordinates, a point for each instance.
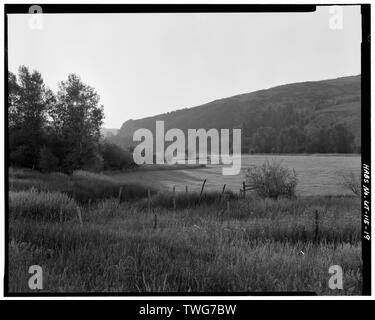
(57, 132)
(288, 130)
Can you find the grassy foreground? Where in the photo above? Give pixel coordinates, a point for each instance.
(256, 245)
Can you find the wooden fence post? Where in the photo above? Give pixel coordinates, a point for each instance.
(119, 195)
(200, 195)
(79, 215)
(227, 205)
(244, 189)
(186, 188)
(155, 221)
(222, 192)
(316, 226)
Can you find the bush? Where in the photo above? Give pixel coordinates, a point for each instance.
(115, 158)
(272, 180)
(42, 206)
(351, 182)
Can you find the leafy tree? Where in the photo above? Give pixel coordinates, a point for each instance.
(13, 101)
(63, 129)
(77, 118)
(28, 103)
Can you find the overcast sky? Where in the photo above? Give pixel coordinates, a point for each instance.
(146, 64)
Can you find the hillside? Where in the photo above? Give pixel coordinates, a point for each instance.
(314, 105)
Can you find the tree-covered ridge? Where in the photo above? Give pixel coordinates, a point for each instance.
(320, 116)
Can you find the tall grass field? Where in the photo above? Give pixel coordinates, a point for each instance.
(185, 243)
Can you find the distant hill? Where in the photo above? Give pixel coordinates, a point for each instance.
(313, 104)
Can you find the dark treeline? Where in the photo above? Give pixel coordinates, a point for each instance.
(288, 130)
(57, 131)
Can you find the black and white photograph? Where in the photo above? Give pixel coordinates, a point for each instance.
(187, 150)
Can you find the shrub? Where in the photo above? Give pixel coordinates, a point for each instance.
(272, 180)
(44, 206)
(351, 182)
(115, 158)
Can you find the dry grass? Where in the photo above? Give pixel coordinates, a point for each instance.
(41, 205)
(256, 245)
(82, 186)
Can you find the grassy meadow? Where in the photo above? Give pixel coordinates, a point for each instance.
(202, 246)
(318, 174)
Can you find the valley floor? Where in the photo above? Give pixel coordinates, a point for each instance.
(318, 174)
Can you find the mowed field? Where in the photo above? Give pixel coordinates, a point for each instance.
(317, 174)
